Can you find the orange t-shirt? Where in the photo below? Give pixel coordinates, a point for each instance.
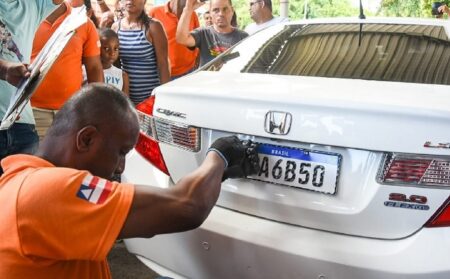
(65, 76)
(57, 222)
(181, 58)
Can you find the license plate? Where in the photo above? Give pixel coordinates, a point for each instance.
(313, 170)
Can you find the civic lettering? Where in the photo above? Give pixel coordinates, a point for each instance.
(171, 113)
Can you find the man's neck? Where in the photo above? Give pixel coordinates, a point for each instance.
(265, 17)
(223, 30)
(54, 160)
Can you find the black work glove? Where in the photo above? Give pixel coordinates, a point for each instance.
(240, 157)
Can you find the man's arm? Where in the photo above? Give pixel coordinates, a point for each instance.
(186, 205)
(444, 9)
(13, 72)
(94, 69)
(91, 55)
(57, 2)
(115, 26)
(126, 83)
(106, 20)
(106, 15)
(183, 35)
(103, 6)
(159, 40)
(179, 208)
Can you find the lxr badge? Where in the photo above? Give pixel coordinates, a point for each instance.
(94, 189)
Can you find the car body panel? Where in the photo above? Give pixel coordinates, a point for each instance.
(354, 119)
(234, 245)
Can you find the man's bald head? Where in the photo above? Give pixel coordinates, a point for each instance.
(96, 104)
(93, 131)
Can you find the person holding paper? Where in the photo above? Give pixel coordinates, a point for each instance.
(65, 77)
(16, 37)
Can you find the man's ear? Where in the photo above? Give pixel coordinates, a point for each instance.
(86, 138)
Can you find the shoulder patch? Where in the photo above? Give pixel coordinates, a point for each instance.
(94, 189)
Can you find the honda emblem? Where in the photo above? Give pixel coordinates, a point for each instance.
(278, 122)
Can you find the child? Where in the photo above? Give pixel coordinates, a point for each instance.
(109, 53)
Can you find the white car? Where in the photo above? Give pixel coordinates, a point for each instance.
(353, 122)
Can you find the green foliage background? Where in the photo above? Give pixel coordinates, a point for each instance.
(316, 9)
(340, 8)
(409, 8)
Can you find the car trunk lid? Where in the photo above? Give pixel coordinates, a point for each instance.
(346, 126)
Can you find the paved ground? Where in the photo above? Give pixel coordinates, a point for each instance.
(126, 266)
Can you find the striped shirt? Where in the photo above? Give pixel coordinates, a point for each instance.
(138, 59)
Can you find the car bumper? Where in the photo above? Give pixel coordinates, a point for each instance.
(234, 245)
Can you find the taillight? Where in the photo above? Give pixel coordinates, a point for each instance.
(183, 136)
(154, 130)
(442, 217)
(147, 144)
(415, 170)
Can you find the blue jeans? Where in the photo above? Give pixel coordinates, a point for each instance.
(20, 138)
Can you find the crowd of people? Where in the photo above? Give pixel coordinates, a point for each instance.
(60, 154)
(130, 48)
(127, 47)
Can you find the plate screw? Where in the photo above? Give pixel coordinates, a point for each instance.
(205, 245)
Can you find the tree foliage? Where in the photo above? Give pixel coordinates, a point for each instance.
(315, 9)
(339, 8)
(406, 8)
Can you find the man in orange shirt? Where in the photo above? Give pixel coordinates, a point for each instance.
(65, 76)
(61, 216)
(182, 59)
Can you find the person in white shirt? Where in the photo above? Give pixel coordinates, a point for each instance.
(261, 13)
(109, 53)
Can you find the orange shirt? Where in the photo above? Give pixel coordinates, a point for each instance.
(65, 76)
(181, 58)
(57, 222)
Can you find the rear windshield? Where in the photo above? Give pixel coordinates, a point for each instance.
(385, 52)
